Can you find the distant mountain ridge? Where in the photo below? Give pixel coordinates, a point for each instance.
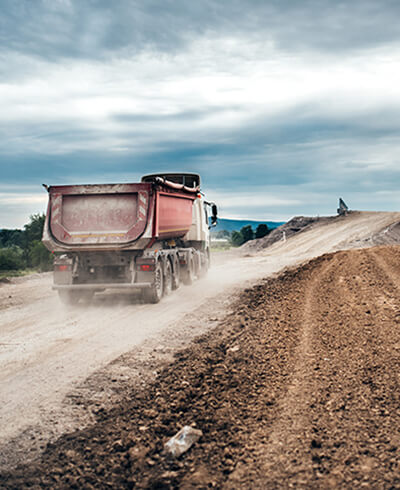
(236, 224)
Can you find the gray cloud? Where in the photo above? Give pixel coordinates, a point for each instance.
(54, 29)
(291, 150)
(285, 99)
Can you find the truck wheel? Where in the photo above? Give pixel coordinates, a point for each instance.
(188, 275)
(204, 267)
(176, 279)
(155, 292)
(69, 297)
(167, 278)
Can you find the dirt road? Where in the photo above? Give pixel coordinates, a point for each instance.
(46, 351)
(299, 387)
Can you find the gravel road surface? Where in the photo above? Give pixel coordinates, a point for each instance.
(48, 351)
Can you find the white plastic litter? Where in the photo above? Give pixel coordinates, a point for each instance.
(182, 441)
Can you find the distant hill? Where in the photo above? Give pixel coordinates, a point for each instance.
(236, 224)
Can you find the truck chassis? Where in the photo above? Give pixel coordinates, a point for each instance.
(156, 273)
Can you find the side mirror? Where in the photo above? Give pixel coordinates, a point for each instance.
(214, 215)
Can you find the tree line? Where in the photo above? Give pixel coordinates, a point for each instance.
(246, 233)
(23, 249)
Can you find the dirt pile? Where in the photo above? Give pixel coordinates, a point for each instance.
(298, 387)
(295, 225)
(388, 235)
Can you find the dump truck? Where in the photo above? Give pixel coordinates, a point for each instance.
(149, 236)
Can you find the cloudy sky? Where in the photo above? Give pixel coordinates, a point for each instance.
(281, 105)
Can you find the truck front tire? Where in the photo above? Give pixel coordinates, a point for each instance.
(204, 267)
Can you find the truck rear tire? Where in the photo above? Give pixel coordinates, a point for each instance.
(155, 292)
(176, 275)
(167, 279)
(188, 274)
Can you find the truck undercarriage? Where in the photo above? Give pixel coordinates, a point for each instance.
(78, 276)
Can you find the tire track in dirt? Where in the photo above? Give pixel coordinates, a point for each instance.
(292, 423)
(388, 259)
(326, 430)
(356, 434)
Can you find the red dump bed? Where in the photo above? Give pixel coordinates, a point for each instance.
(116, 214)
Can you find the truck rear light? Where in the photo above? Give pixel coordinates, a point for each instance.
(61, 268)
(146, 267)
(182, 261)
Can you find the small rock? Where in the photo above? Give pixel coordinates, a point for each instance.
(71, 454)
(118, 446)
(137, 453)
(169, 474)
(182, 441)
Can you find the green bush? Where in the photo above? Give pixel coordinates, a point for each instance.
(247, 233)
(237, 238)
(34, 229)
(21, 249)
(9, 238)
(11, 259)
(262, 230)
(40, 257)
